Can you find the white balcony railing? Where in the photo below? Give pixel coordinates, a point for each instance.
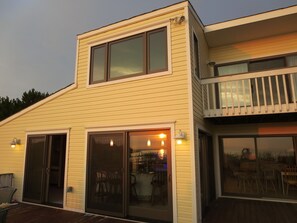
(266, 92)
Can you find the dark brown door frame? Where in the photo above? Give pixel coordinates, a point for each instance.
(126, 172)
(44, 169)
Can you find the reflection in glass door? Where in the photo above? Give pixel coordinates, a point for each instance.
(105, 174)
(129, 174)
(150, 175)
(256, 166)
(239, 166)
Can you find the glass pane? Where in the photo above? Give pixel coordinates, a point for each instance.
(239, 166)
(126, 57)
(148, 169)
(274, 154)
(292, 61)
(35, 169)
(105, 173)
(98, 64)
(232, 69)
(274, 63)
(157, 50)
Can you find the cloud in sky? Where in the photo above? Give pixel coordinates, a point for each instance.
(38, 37)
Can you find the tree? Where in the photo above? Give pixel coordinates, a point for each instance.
(9, 107)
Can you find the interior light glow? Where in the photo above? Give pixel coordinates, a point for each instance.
(111, 142)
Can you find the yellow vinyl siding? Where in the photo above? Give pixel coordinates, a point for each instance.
(160, 99)
(266, 47)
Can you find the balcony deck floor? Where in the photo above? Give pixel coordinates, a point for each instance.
(27, 213)
(229, 210)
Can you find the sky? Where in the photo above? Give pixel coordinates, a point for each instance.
(38, 37)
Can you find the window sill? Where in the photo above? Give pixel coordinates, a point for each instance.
(130, 79)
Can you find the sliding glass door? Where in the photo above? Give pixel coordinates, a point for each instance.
(129, 174)
(150, 175)
(105, 173)
(254, 166)
(44, 169)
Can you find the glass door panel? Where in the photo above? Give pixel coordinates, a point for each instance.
(150, 175)
(256, 166)
(105, 173)
(239, 164)
(274, 155)
(35, 169)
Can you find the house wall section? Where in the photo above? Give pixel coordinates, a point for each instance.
(260, 48)
(162, 99)
(199, 121)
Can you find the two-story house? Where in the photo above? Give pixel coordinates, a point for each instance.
(164, 116)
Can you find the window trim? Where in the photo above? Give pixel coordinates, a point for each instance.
(165, 25)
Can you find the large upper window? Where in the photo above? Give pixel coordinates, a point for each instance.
(141, 54)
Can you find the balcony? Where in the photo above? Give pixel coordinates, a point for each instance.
(258, 93)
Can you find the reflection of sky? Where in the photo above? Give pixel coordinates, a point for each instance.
(98, 64)
(235, 145)
(126, 57)
(276, 145)
(157, 51)
(273, 145)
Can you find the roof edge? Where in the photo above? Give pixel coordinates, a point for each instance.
(252, 18)
(38, 104)
(135, 19)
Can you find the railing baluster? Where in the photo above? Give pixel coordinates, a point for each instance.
(243, 94)
(257, 93)
(271, 93)
(238, 100)
(286, 91)
(226, 98)
(208, 100)
(264, 93)
(278, 94)
(232, 98)
(292, 81)
(203, 95)
(214, 98)
(251, 95)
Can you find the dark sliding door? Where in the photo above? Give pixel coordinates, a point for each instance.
(129, 175)
(150, 190)
(44, 169)
(207, 179)
(35, 169)
(105, 174)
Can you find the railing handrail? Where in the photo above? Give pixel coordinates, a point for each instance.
(236, 77)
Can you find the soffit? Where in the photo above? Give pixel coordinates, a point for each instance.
(234, 32)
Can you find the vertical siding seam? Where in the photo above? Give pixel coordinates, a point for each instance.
(191, 115)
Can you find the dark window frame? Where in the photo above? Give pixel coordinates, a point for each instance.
(146, 55)
(196, 56)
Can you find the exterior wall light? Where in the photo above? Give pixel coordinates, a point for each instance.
(15, 142)
(178, 20)
(180, 136)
